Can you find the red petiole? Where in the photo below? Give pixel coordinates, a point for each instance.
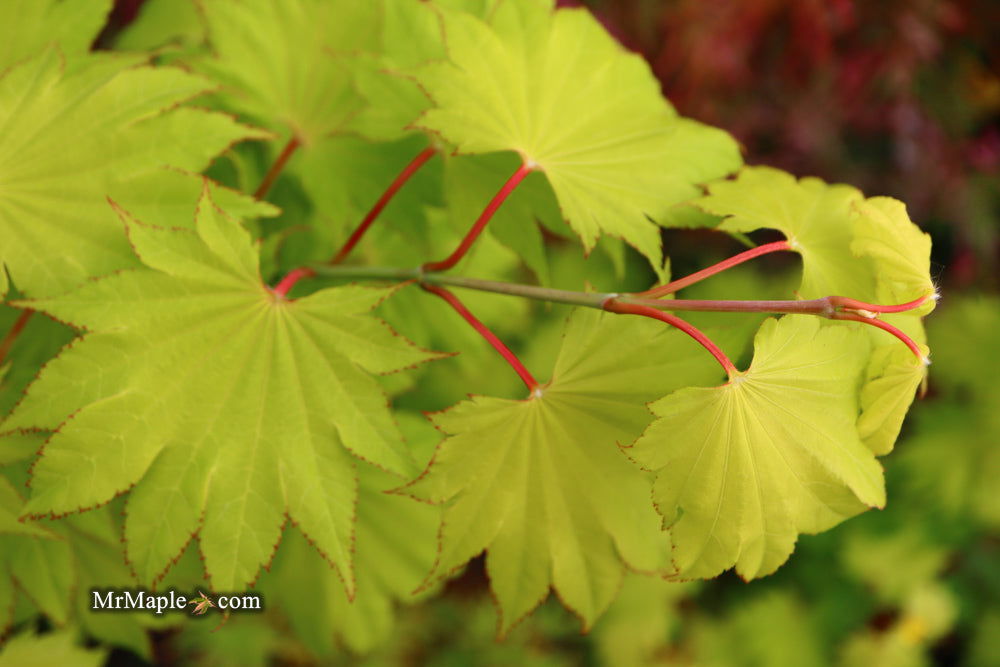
(15, 331)
(279, 164)
(295, 275)
(490, 337)
(386, 197)
(698, 276)
(484, 218)
(615, 306)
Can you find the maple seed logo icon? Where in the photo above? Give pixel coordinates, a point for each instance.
(202, 603)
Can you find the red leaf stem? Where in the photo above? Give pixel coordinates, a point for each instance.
(648, 311)
(482, 221)
(272, 174)
(854, 304)
(295, 275)
(389, 193)
(504, 351)
(885, 326)
(15, 331)
(698, 276)
(286, 284)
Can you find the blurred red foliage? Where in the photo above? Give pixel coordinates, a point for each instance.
(901, 97)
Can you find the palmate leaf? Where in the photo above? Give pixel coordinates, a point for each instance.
(56, 648)
(865, 249)
(70, 138)
(224, 405)
(28, 26)
(554, 87)
(901, 252)
(742, 469)
(471, 180)
(37, 559)
(893, 377)
(395, 546)
(814, 216)
(547, 493)
(284, 62)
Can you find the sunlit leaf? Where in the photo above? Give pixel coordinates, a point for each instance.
(521, 82)
(742, 469)
(224, 405)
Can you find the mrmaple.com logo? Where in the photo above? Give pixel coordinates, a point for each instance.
(133, 600)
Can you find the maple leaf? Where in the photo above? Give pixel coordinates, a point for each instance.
(743, 468)
(395, 546)
(73, 135)
(814, 216)
(54, 648)
(867, 249)
(283, 61)
(892, 379)
(223, 404)
(548, 494)
(28, 26)
(518, 82)
(883, 231)
(36, 558)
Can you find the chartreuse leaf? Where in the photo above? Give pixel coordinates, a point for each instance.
(222, 404)
(284, 62)
(55, 648)
(410, 34)
(38, 560)
(160, 22)
(814, 216)
(892, 379)
(742, 469)
(100, 563)
(70, 140)
(395, 547)
(902, 253)
(519, 83)
(364, 169)
(547, 494)
(865, 249)
(39, 341)
(471, 180)
(28, 26)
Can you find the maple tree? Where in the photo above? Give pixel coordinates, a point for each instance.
(210, 366)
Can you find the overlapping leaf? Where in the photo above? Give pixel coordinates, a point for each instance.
(815, 217)
(865, 249)
(547, 494)
(27, 26)
(522, 82)
(283, 61)
(57, 648)
(222, 404)
(70, 139)
(901, 252)
(34, 557)
(745, 467)
(893, 377)
(395, 546)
